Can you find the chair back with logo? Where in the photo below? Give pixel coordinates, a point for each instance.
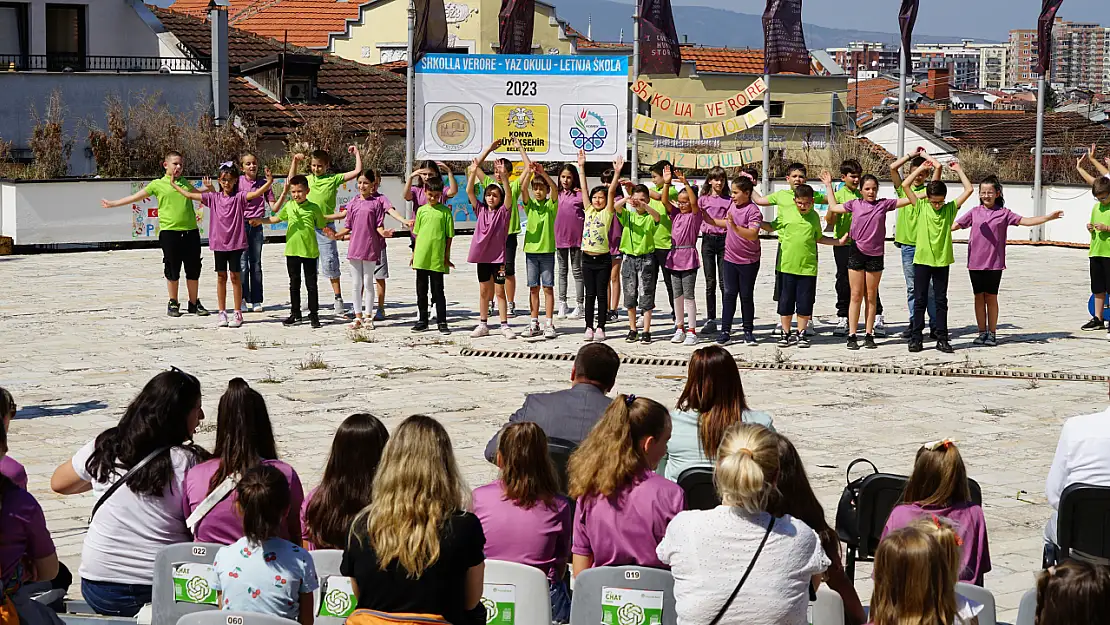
(515, 594)
(1083, 525)
(334, 600)
(624, 594)
(221, 617)
(184, 581)
(697, 484)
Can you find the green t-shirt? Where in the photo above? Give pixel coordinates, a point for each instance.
(638, 236)
(539, 238)
(663, 228)
(798, 236)
(905, 225)
(934, 234)
(511, 202)
(175, 211)
(434, 225)
(1100, 241)
(322, 191)
(783, 199)
(844, 222)
(303, 220)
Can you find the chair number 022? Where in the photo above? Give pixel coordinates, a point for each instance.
(632, 575)
(200, 552)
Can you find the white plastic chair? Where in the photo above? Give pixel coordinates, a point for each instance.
(327, 563)
(1027, 610)
(586, 604)
(222, 617)
(980, 595)
(529, 591)
(829, 607)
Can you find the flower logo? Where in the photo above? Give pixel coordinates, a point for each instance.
(589, 132)
(630, 614)
(337, 602)
(197, 588)
(491, 609)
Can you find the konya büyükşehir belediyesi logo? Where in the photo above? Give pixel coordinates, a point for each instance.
(589, 131)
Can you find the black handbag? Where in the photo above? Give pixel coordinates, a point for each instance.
(847, 511)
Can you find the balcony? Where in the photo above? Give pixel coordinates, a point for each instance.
(69, 63)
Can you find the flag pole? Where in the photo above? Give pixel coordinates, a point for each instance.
(633, 97)
(903, 62)
(410, 132)
(767, 135)
(1038, 197)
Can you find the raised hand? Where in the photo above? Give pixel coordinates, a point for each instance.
(1056, 215)
(207, 182)
(269, 174)
(668, 177)
(1091, 151)
(352, 150)
(681, 177)
(298, 157)
(497, 143)
(618, 165)
(826, 177)
(955, 166)
(105, 204)
(581, 156)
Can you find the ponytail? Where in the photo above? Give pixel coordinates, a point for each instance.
(747, 467)
(263, 499)
(612, 456)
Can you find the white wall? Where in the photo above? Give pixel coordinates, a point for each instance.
(113, 28)
(886, 136)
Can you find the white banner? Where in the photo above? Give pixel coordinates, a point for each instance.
(555, 105)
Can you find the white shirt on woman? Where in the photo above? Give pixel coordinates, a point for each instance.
(1082, 457)
(708, 552)
(129, 529)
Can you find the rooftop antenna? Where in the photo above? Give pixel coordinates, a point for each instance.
(590, 27)
(622, 36)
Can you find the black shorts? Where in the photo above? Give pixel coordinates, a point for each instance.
(985, 280)
(858, 261)
(510, 256)
(1100, 274)
(494, 271)
(180, 248)
(228, 261)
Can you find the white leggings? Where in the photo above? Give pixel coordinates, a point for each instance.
(362, 272)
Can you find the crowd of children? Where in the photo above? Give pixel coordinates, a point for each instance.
(618, 240)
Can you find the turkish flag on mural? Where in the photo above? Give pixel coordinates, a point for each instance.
(431, 28)
(659, 53)
(514, 26)
(784, 43)
(907, 17)
(1044, 34)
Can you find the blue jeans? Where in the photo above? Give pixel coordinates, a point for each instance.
(560, 601)
(112, 599)
(251, 266)
(907, 272)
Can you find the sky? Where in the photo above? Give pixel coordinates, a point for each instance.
(986, 19)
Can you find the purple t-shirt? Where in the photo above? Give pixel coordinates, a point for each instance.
(570, 220)
(23, 532)
(615, 230)
(986, 243)
(539, 537)
(227, 230)
(970, 525)
(222, 525)
(868, 228)
(716, 207)
(364, 217)
(738, 250)
(684, 238)
(627, 531)
(11, 469)
(490, 232)
(256, 208)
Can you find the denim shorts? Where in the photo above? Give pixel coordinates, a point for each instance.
(541, 270)
(329, 257)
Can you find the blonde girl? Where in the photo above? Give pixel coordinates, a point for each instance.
(915, 581)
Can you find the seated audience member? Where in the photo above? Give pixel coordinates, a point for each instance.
(263, 572)
(570, 414)
(27, 552)
(244, 439)
(524, 517)
(145, 514)
(915, 578)
(1074, 593)
(712, 401)
(795, 497)
(623, 506)
(415, 550)
(344, 491)
(1082, 457)
(938, 487)
(9, 467)
(710, 551)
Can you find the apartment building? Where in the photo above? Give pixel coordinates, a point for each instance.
(1081, 56)
(1022, 59)
(861, 57)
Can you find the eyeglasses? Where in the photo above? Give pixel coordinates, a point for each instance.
(192, 378)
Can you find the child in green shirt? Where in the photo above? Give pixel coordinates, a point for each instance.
(433, 228)
(639, 272)
(1099, 227)
(933, 252)
(663, 241)
(799, 233)
(323, 189)
(537, 191)
(905, 228)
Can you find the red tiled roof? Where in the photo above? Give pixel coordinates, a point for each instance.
(724, 60)
(1014, 132)
(361, 94)
(874, 148)
(306, 23)
(864, 95)
(586, 44)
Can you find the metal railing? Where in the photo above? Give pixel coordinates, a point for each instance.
(89, 63)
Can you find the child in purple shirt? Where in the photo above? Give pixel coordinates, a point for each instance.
(251, 267)
(487, 250)
(623, 506)
(741, 259)
(682, 259)
(986, 252)
(939, 487)
(715, 203)
(570, 220)
(523, 516)
(227, 237)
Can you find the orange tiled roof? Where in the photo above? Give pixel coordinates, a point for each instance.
(307, 23)
(705, 59)
(864, 95)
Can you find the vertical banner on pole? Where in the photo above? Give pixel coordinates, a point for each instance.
(907, 18)
(784, 43)
(659, 51)
(1044, 35)
(515, 26)
(431, 28)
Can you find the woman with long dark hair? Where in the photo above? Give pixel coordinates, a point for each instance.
(344, 491)
(244, 440)
(145, 514)
(712, 401)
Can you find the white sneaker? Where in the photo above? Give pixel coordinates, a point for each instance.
(532, 331)
(340, 307)
(222, 322)
(549, 331)
(480, 331)
(841, 328)
(576, 313)
(679, 336)
(691, 339)
(561, 310)
(589, 335)
(256, 308)
(599, 335)
(880, 327)
(778, 329)
(507, 332)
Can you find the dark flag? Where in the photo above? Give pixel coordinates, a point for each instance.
(431, 29)
(784, 43)
(1044, 34)
(659, 53)
(514, 26)
(907, 17)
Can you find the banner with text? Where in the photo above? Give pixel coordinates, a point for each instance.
(688, 160)
(679, 108)
(554, 105)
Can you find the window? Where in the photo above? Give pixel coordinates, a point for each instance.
(776, 109)
(65, 37)
(13, 34)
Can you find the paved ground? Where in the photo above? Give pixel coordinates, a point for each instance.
(83, 331)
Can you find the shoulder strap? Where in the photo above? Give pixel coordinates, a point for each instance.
(126, 476)
(218, 494)
(743, 579)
